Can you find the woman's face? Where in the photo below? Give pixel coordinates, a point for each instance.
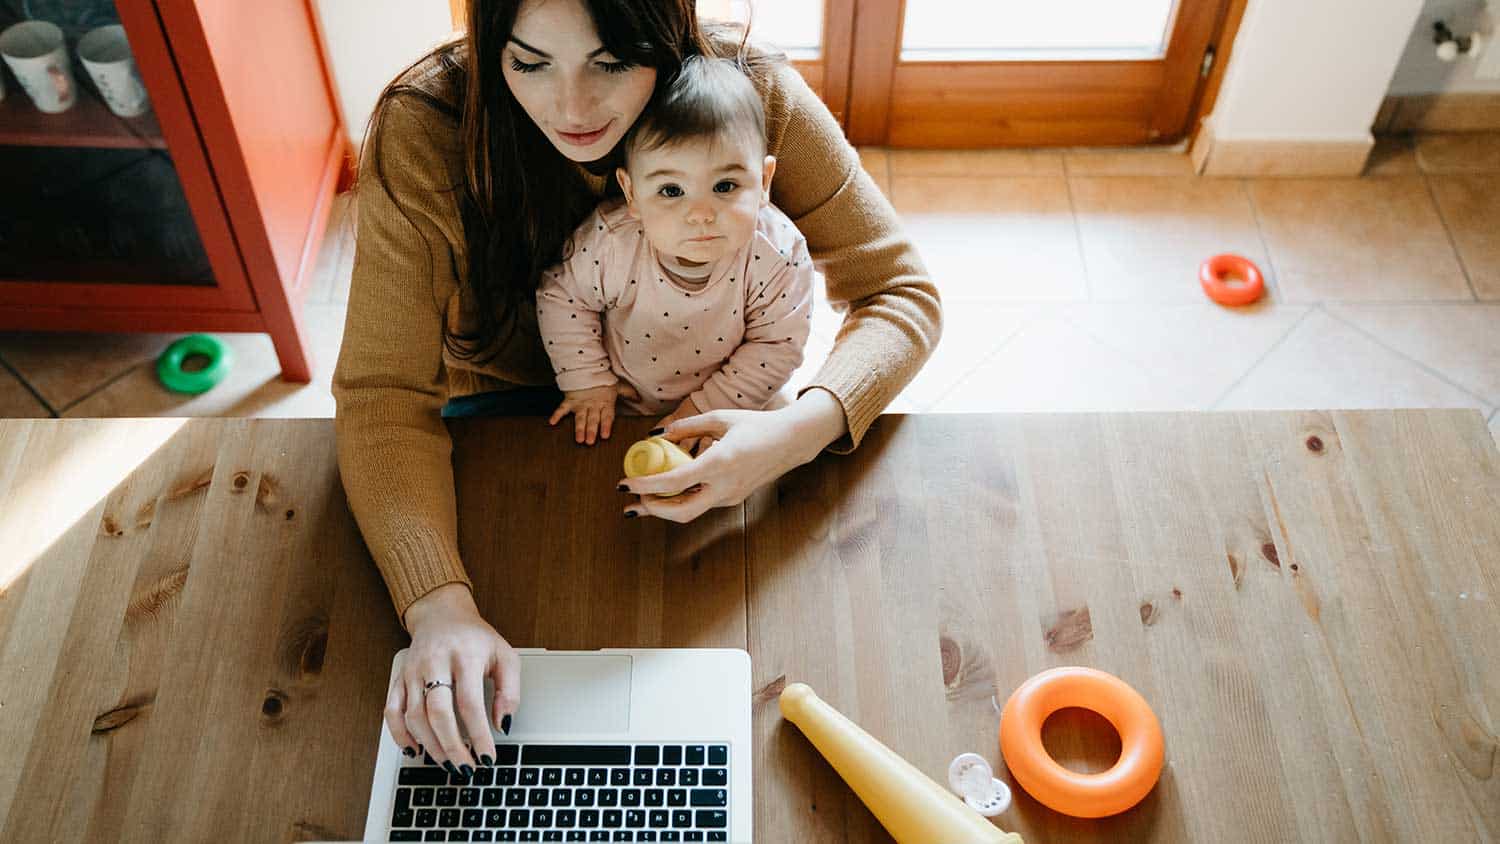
(581, 97)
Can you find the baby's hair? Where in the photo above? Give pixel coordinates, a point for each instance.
(707, 97)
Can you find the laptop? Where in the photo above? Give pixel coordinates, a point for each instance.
(607, 745)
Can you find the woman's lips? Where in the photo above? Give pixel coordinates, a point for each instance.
(584, 139)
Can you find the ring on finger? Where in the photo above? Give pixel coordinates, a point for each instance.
(434, 684)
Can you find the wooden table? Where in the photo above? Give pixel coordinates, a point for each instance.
(194, 644)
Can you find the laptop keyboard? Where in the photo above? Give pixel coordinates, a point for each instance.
(570, 792)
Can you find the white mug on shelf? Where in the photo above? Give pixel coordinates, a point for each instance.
(106, 56)
(36, 54)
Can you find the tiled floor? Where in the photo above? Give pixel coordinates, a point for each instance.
(1069, 279)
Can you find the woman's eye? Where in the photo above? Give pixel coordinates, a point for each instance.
(522, 67)
(725, 186)
(616, 67)
(670, 191)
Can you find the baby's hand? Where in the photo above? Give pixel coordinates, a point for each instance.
(593, 411)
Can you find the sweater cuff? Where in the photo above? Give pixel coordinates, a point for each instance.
(419, 562)
(859, 394)
(572, 382)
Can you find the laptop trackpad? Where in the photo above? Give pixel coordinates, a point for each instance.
(573, 693)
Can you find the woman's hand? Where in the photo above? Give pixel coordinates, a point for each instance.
(753, 448)
(452, 643)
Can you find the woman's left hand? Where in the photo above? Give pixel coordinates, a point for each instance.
(752, 448)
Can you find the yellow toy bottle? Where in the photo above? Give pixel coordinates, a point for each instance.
(654, 456)
(911, 807)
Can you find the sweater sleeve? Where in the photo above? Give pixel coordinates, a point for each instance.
(894, 314)
(777, 320)
(390, 385)
(568, 310)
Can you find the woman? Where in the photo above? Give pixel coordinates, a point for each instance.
(482, 158)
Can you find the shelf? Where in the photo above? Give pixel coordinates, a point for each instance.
(89, 123)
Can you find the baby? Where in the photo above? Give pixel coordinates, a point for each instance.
(694, 294)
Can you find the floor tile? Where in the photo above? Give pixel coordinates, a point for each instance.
(972, 333)
(975, 162)
(1145, 237)
(335, 263)
(813, 356)
(1326, 363)
(1459, 342)
(1196, 351)
(1357, 240)
(17, 402)
(1465, 152)
(1393, 155)
(1133, 161)
(64, 367)
(995, 239)
(252, 388)
(876, 161)
(1471, 207)
(1051, 366)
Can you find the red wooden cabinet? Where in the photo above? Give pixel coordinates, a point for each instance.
(244, 112)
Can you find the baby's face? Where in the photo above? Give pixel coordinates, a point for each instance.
(698, 200)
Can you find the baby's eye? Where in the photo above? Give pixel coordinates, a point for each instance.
(726, 186)
(670, 191)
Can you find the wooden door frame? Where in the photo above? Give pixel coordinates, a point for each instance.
(1034, 103)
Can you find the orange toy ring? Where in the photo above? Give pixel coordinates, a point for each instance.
(1069, 792)
(1215, 273)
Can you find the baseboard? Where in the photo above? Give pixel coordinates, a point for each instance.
(1449, 112)
(1265, 158)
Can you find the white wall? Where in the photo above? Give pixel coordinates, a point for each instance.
(1311, 71)
(1420, 70)
(369, 41)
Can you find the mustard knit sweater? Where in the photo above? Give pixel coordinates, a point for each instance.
(394, 374)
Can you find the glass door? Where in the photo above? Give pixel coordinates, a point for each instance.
(815, 34)
(953, 73)
(90, 194)
(108, 198)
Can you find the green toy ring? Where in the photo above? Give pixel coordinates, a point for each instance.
(169, 365)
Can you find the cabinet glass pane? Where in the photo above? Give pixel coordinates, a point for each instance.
(89, 196)
(946, 30)
(795, 26)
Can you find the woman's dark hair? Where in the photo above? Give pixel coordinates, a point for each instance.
(709, 97)
(521, 199)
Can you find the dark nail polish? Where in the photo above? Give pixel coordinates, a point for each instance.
(467, 771)
(505, 725)
(630, 514)
(623, 488)
(486, 760)
(657, 432)
(409, 752)
(448, 766)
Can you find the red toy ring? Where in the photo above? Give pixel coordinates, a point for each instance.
(1081, 795)
(1216, 272)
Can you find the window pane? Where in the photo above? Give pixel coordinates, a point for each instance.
(795, 26)
(1059, 29)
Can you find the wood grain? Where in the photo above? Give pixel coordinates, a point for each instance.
(1313, 620)
(194, 643)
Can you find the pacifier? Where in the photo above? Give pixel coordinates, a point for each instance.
(974, 780)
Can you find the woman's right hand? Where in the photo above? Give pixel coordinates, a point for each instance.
(451, 642)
